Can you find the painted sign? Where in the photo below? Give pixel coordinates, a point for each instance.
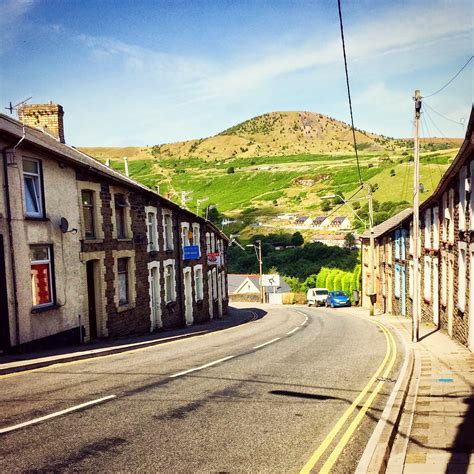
(271, 280)
(191, 252)
(214, 258)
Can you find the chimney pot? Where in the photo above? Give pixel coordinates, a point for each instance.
(48, 117)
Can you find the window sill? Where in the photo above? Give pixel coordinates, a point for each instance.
(169, 251)
(93, 241)
(38, 219)
(124, 239)
(43, 309)
(153, 253)
(125, 307)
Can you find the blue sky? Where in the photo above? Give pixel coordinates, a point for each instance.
(149, 72)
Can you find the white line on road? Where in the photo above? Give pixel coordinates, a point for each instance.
(266, 343)
(292, 331)
(201, 367)
(53, 415)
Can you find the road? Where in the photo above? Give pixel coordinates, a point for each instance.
(260, 397)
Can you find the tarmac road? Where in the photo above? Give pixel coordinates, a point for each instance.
(259, 397)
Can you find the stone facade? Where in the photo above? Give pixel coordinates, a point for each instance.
(446, 254)
(118, 268)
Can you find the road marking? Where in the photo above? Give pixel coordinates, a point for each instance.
(303, 323)
(340, 423)
(201, 367)
(54, 415)
(292, 331)
(268, 342)
(356, 421)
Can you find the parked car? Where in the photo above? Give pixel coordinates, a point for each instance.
(316, 296)
(337, 299)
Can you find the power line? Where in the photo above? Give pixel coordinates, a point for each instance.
(451, 80)
(444, 116)
(348, 89)
(437, 128)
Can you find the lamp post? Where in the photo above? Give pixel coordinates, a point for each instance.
(371, 238)
(258, 253)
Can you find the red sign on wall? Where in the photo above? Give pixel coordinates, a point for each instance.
(40, 283)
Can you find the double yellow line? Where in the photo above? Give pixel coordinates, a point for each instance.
(385, 367)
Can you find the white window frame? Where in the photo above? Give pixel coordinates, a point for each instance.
(184, 234)
(198, 283)
(169, 270)
(208, 242)
(126, 215)
(37, 180)
(410, 278)
(48, 261)
(427, 279)
(131, 270)
(428, 229)
(471, 200)
(152, 237)
(462, 268)
(462, 199)
(125, 302)
(451, 217)
(197, 236)
(444, 278)
(435, 228)
(168, 230)
(445, 217)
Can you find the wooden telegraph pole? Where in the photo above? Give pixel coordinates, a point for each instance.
(416, 222)
(371, 251)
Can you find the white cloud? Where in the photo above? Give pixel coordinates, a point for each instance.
(12, 13)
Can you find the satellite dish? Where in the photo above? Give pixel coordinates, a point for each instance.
(64, 225)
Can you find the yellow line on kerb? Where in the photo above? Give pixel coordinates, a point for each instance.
(340, 423)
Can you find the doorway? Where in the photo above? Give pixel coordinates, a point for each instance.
(155, 309)
(209, 293)
(92, 298)
(435, 291)
(188, 298)
(470, 334)
(403, 291)
(4, 321)
(450, 294)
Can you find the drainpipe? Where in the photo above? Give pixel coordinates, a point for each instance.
(10, 238)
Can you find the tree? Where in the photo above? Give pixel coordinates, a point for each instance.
(297, 239)
(310, 282)
(230, 170)
(346, 283)
(330, 279)
(213, 214)
(392, 173)
(326, 206)
(338, 280)
(349, 240)
(322, 277)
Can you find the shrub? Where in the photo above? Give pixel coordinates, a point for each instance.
(230, 170)
(322, 277)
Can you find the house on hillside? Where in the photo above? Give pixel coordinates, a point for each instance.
(446, 249)
(86, 252)
(303, 221)
(321, 222)
(246, 287)
(331, 240)
(340, 223)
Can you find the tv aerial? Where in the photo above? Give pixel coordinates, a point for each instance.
(11, 107)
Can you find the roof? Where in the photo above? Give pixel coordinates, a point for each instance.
(389, 224)
(339, 220)
(319, 220)
(234, 281)
(39, 138)
(301, 218)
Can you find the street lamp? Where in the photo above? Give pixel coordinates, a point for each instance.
(258, 253)
(371, 238)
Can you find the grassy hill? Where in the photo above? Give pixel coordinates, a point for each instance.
(282, 162)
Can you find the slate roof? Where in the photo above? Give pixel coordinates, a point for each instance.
(389, 224)
(234, 280)
(301, 219)
(319, 220)
(339, 220)
(43, 140)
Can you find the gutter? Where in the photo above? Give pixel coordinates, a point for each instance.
(10, 238)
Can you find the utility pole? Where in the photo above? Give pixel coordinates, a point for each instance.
(372, 295)
(416, 221)
(260, 269)
(184, 198)
(198, 203)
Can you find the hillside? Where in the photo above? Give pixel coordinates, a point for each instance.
(282, 162)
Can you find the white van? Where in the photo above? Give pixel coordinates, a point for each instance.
(316, 296)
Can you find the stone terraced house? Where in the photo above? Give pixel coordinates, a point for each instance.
(86, 252)
(446, 250)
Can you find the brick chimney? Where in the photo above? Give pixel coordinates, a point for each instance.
(49, 117)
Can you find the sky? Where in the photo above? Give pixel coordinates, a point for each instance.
(151, 72)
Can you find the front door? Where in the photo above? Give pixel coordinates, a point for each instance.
(91, 298)
(470, 335)
(403, 291)
(450, 295)
(209, 292)
(435, 292)
(4, 322)
(188, 298)
(155, 313)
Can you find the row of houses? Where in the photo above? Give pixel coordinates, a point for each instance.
(86, 252)
(324, 223)
(445, 249)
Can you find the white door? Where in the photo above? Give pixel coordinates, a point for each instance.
(435, 273)
(155, 309)
(188, 298)
(219, 296)
(470, 335)
(209, 292)
(450, 295)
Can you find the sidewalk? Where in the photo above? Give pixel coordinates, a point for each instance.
(19, 362)
(436, 431)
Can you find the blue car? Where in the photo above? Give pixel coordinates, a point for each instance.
(337, 299)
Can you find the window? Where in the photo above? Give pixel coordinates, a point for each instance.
(41, 275)
(123, 281)
(444, 278)
(410, 278)
(208, 242)
(168, 232)
(213, 243)
(214, 284)
(196, 235)
(451, 216)
(152, 232)
(185, 234)
(428, 229)
(462, 279)
(169, 283)
(198, 284)
(410, 245)
(462, 198)
(88, 213)
(120, 216)
(397, 244)
(403, 239)
(435, 228)
(33, 188)
(427, 280)
(398, 276)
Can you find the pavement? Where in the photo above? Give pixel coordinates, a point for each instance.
(12, 362)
